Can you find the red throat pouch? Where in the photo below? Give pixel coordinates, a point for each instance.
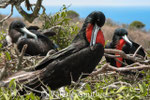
(119, 46)
(100, 37)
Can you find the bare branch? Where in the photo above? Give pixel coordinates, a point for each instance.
(114, 85)
(137, 58)
(4, 19)
(111, 56)
(17, 4)
(32, 89)
(108, 67)
(101, 70)
(5, 3)
(128, 68)
(137, 50)
(121, 62)
(114, 51)
(41, 7)
(30, 17)
(20, 57)
(4, 70)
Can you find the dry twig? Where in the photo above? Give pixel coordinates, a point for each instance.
(4, 70)
(114, 85)
(20, 57)
(17, 4)
(137, 50)
(134, 57)
(30, 17)
(4, 19)
(108, 67)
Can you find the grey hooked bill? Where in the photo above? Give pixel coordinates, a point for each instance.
(96, 28)
(127, 40)
(29, 33)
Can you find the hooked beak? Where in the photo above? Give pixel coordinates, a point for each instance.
(96, 28)
(29, 33)
(127, 40)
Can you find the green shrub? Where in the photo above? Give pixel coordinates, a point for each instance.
(72, 14)
(67, 30)
(137, 24)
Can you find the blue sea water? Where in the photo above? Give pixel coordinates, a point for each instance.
(118, 14)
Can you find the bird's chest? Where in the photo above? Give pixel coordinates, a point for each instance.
(84, 63)
(120, 46)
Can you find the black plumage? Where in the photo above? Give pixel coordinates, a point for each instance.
(38, 44)
(68, 64)
(128, 46)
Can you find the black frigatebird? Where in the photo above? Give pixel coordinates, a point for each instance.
(68, 64)
(121, 41)
(38, 44)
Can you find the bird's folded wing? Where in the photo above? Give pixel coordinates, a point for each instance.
(62, 53)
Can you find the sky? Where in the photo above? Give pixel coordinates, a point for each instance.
(96, 2)
(137, 9)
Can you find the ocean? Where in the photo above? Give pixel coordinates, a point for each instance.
(119, 15)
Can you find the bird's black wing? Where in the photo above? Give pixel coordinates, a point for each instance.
(62, 68)
(135, 47)
(131, 50)
(33, 28)
(126, 48)
(48, 33)
(64, 52)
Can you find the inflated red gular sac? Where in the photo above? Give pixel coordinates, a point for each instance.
(99, 34)
(119, 46)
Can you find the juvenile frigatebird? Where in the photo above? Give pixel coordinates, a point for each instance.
(68, 64)
(121, 41)
(38, 44)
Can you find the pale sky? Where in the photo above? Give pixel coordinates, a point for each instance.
(96, 2)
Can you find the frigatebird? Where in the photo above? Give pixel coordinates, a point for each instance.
(38, 44)
(121, 41)
(68, 64)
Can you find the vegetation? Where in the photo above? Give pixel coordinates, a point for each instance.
(137, 24)
(72, 14)
(99, 87)
(60, 22)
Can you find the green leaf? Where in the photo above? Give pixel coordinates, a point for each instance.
(0, 45)
(12, 82)
(119, 96)
(107, 91)
(76, 97)
(121, 89)
(88, 89)
(135, 98)
(6, 96)
(141, 88)
(7, 55)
